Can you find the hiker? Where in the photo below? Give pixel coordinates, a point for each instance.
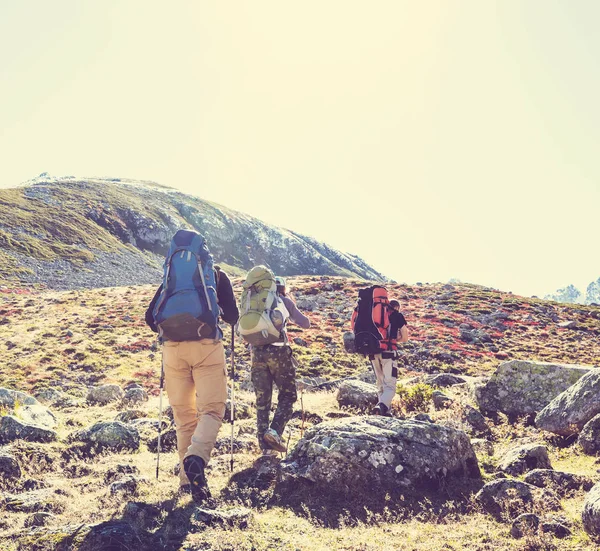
(272, 356)
(185, 311)
(385, 364)
(378, 326)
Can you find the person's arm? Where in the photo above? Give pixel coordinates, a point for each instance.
(295, 315)
(149, 317)
(403, 334)
(227, 299)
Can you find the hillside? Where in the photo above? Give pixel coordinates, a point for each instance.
(572, 295)
(70, 233)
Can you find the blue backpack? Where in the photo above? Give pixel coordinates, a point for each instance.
(187, 307)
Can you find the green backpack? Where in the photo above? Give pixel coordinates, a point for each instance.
(262, 312)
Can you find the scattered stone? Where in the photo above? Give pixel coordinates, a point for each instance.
(114, 473)
(509, 497)
(300, 341)
(127, 485)
(568, 324)
(356, 394)
(444, 380)
(12, 429)
(130, 415)
(440, 400)
(110, 435)
(481, 445)
(423, 417)
(245, 443)
(520, 387)
(134, 396)
(475, 420)
(349, 342)
(28, 502)
(591, 513)
(41, 518)
(560, 482)
(168, 442)
(113, 535)
(527, 523)
(569, 412)
(48, 395)
(525, 458)
(105, 394)
(36, 414)
(589, 437)
(11, 398)
(10, 470)
(557, 529)
(349, 455)
(238, 517)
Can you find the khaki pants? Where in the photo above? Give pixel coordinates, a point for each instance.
(386, 373)
(196, 384)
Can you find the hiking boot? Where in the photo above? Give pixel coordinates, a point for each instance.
(270, 452)
(194, 470)
(274, 440)
(381, 409)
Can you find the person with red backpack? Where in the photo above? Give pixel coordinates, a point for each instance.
(185, 312)
(378, 326)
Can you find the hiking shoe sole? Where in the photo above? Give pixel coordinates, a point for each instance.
(274, 443)
(194, 470)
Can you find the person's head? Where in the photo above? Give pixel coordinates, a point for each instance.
(280, 282)
(394, 305)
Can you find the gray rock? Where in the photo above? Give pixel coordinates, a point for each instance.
(527, 523)
(36, 414)
(525, 458)
(440, 400)
(349, 342)
(110, 435)
(483, 446)
(48, 395)
(557, 529)
(130, 415)
(105, 394)
(475, 420)
(591, 513)
(300, 341)
(589, 437)
(11, 398)
(10, 469)
(349, 455)
(41, 518)
(118, 471)
(134, 396)
(238, 517)
(569, 412)
(510, 498)
(116, 535)
(444, 380)
(520, 387)
(127, 485)
(12, 429)
(560, 482)
(28, 502)
(356, 394)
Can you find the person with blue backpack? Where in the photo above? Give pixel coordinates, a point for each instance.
(185, 312)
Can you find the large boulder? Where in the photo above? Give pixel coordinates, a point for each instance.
(352, 454)
(12, 429)
(511, 498)
(109, 435)
(589, 437)
(591, 513)
(568, 413)
(525, 458)
(521, 387)
(357, 394)
(11, 398)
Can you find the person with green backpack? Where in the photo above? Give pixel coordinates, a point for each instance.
(265, 309)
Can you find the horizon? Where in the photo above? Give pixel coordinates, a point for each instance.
(479, 123)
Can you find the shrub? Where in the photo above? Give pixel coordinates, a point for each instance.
(414, 397)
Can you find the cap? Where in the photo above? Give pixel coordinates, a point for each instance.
(279, 281)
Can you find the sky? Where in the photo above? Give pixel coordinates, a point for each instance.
(437, 139)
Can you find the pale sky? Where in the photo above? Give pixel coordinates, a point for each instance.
(436, 139)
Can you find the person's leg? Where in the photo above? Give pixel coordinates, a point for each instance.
(263, 388)
(390, 375)
(377, 364)
(283, 369)
(181, 393)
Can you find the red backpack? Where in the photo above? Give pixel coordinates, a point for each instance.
(371, 322)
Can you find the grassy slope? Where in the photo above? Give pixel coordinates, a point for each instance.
(69, 339)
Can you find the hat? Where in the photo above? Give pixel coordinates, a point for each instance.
(280, 282)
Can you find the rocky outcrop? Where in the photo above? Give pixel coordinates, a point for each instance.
(356, 394)
(105, 394)
(109, 435)
(521, 387)
(12, 428)
(569, 412)
(562, 483)
(591, 513)
(589, 437)
(522, 459)
(349, 455)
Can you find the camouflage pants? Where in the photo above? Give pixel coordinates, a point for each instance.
(273, 364)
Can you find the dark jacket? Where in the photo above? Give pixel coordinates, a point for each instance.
(225, 296)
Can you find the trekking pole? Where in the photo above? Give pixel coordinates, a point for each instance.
(232, 402)
(302, 407)
(162, 384)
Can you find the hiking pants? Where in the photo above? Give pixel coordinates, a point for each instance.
(273, 364)
(196, 384)
(385, 367)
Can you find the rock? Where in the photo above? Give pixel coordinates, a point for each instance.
(48, 395)
(242, 409)
(12, 429)
(36, 414)
(520, 387)
(306, 303)
(356, 394)
(589, 437)
(238, 517)
(110, 435)
(117, 472)
(10, 398)
(512, 497)
(127, 485)
(440, 400)
(300, 342)
(527, 523)
(130, 415)
(105, 394)
(557, 529)
(569, 412)
(560, 482)
(423, 417)
(349, 342)
(444, 380)
(352, 454)
(134, 396)
(241, 444)
(568, 324)
(10, 470)
(113, 535)
(525, 458)
(168, 442)
(28, 502)
(591, 513)
(481, 445)
(41, 518)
